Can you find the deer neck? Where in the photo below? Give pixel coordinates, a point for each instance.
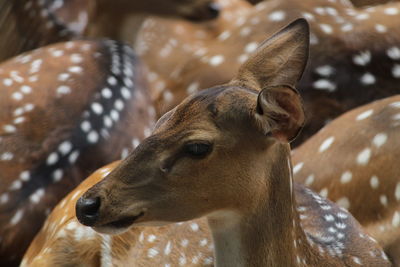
(264, 233)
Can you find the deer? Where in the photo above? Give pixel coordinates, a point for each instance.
(346, 41)
(359, 155)
(67, 109)
(229, 145)
(29, 24)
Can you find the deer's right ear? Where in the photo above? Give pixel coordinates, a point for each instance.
(279, 60)
(279, 112)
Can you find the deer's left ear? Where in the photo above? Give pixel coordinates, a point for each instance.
(279, 112)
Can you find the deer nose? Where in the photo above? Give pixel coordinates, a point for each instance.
(214, 9)
(87, 210)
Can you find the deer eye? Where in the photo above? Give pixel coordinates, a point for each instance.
(197, 149)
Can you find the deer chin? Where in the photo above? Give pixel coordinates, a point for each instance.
(118, 226)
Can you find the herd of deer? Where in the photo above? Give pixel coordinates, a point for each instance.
(114, 153)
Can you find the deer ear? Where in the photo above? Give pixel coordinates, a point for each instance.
(279, 112)
(280, 59)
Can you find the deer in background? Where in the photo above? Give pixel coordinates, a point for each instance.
(66, 110)
(347, 43)
(186, 150)
(29, 24)
(355, 161)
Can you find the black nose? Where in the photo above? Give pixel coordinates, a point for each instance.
(214, 9)
(87, 210)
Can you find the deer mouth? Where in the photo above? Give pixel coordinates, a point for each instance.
(124, 222)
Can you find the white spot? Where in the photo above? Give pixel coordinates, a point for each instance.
(119, 104)
(25, 176)
(367, 79)
(326, 28)
(125, 93)
(203, 242)
(374, 182)
(17, 184)
(397, 192)
(396, 71)
(97, 108)
(112, 80)
(9, 128)
(379, 139)
(362, 59)
(192, 88)
(37, 195)
(152, 252)
(184, 243)
(75, 69)
(76, 58)
(151, 238)
(391, 11)
(62, 77)
(383, 199)
(217, 60)
(310, 179)
(17, 96)
(380, 28)
(17, 217)
(325, 70)
(26, 89)
(65, 147)
(324, 192)
(52, 159)
(93, 137)
(362, 16)
(194, 227)
(86, 126)
(7, 82)
(57, 175)
(363, 156)
(393, 53)
(324, 84)
(4, 198)
(396, 219)
(357, 260)
(347, 27)
(346, 177)
(343, 202)
(168, 248)
(73, 157)
(251, 47)
(57, 53)
(298, 167)
(63, 90)
(342, 215)
(278, 15)
(364, 115)
(5, 156)
(19, 120)
(106, 93)
(224, 35)
(326, 144)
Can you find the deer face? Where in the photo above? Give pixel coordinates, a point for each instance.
(208, 147)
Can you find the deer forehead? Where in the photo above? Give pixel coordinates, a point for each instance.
(207, 109)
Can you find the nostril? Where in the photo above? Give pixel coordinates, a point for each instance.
(87, 210)
(214, 9)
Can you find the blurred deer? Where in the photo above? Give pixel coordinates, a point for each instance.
(66, 110)
(354, 55)
(29, 24)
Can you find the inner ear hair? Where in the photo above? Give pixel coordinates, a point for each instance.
(279, 112)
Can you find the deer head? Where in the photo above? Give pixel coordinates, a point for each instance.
(211, 148)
